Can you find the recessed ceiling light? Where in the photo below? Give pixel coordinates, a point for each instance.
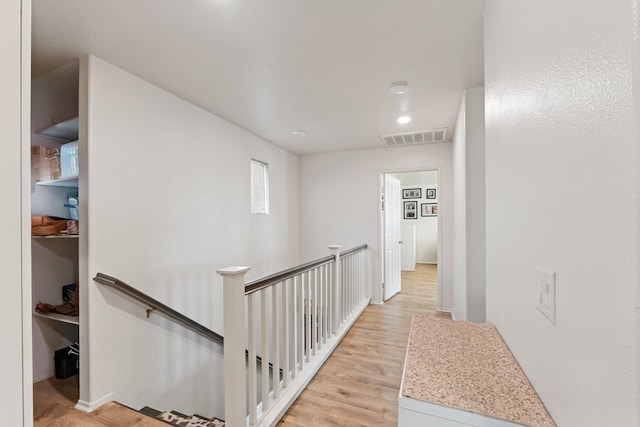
(404, 119)
(298, 133)
(398, 88)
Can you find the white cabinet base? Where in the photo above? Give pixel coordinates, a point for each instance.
(416, 413)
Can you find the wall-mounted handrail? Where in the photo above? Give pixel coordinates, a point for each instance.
(156, 305)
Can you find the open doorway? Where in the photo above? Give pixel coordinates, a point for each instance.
(410, 228)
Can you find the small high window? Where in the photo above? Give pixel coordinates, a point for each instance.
(259, 187)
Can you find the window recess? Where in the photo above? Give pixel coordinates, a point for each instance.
(259, 187)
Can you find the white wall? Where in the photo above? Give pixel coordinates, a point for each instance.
(459, 215)
(475, 206)
(167, 203)
(15, 329)
(469, 208)
(339, 203)
(561, 134)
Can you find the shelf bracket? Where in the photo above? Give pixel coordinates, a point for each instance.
(149, 311)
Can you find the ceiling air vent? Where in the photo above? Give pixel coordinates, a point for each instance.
(411, 138)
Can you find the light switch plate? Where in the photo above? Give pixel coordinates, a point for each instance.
(546, 293)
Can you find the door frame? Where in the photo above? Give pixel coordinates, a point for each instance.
(25, 206)
(381, 225)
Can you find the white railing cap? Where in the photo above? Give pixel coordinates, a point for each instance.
(233, 270)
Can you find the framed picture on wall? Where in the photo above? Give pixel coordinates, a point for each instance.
(412, 193)
(410, 210)
(431, 193)
(429, 209)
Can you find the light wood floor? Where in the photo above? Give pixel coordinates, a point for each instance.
(359, 384)
(53, 402)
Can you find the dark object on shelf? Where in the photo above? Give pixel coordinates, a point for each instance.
(66, 362)
(69, 294)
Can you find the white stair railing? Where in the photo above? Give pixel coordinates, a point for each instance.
(290, 322)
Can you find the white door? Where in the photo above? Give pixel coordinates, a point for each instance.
(392, 211)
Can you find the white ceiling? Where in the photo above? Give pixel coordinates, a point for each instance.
(274, 66)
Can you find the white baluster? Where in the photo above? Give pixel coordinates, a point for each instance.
(314, 311)
(252, 365)
(300, 320)
(320, 305)
(343, 286)
(264, 331)
(337, 314)
(354, 285)
(363, 271)
(307, 316)
(235, 410)
(275, 373)
(286, 332)
(347, 285)
(330, 300)
(360, 276)
(327, 303)
(352, 288)
(292, 326)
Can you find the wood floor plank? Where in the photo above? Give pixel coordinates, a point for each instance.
(359, 384)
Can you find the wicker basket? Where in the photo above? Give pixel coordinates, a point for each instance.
(47, 226)
(46, 163)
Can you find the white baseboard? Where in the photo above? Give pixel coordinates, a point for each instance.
(85, 406)
(43, 377)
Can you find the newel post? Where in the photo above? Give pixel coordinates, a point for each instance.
(235, 389)
(336, 291)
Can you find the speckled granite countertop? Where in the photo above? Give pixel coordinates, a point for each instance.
(468, 366)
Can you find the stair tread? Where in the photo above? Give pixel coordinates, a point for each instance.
(181, 420)
(202, 417)
(150, 412)
(153, 413)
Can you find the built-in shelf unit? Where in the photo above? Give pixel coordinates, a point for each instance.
(54, 258)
